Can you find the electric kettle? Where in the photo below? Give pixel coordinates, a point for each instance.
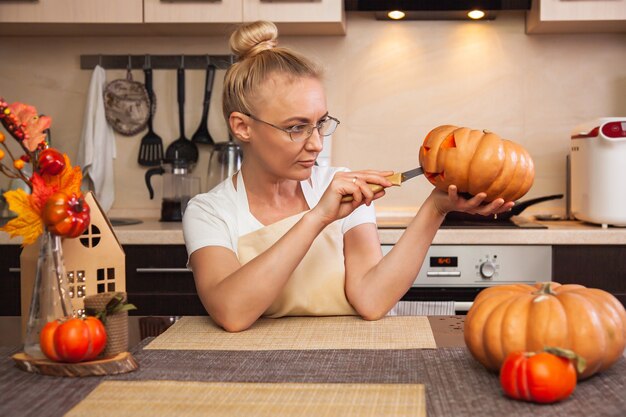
(178, 187)
(224, 160)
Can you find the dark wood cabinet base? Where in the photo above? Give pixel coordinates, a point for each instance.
(601, 266)
(158, 283)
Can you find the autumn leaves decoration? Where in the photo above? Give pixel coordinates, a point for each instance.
(55, 201)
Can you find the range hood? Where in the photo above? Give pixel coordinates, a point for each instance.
(435, 9)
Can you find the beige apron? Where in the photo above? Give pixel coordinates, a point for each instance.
(317, 285)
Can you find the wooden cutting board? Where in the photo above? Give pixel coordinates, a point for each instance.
(118, 364)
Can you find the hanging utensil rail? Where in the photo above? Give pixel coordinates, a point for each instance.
(156, 61)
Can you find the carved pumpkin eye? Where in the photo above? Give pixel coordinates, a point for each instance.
(449, 142)
(426, 148)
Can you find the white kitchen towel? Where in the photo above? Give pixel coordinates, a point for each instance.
(97, 146)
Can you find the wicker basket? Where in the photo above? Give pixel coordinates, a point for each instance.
(116, 324)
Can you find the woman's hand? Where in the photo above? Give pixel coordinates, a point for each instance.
(355, 183)
(445, 203)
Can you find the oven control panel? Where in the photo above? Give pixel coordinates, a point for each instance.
(483, 265)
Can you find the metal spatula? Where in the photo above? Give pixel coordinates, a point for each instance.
(151, 148)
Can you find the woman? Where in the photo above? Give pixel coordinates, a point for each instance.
(276, 239)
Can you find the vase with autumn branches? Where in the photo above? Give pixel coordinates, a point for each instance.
(53, 209)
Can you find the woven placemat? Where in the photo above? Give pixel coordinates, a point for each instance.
(300, 333)
(176, 398)
(455, 384)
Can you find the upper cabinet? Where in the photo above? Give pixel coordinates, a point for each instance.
(168, 17)
(193, 11)
(71, 11)
(575, 16)
(325, 17)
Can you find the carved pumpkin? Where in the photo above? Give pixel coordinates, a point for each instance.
(476, 161)
(516, 318)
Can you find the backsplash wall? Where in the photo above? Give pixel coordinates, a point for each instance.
(388, 82)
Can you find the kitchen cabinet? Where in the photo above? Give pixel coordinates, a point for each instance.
(293, 17)
(10, 303)
(598, 266)
(72, 11)
(167, 17)
(158, 282)
(159, 11)
(576, 16)
(325, 17)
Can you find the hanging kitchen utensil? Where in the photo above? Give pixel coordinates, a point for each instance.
(182, 148)
(202, 135)
(151, 148)
(126, 104)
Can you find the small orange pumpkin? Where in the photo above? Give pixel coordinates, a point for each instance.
(476, 161)
(527, 318)
(66, 214)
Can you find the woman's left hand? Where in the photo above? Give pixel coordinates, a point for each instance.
(452, 201)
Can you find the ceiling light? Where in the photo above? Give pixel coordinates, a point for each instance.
(476, 14)
(396, 15)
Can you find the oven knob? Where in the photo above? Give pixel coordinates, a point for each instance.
(487, 269)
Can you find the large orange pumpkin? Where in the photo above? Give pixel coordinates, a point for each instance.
(476, 161)
(512, 318)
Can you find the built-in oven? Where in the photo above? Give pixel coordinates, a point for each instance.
(452, 275)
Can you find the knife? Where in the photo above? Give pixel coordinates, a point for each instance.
(396, 179)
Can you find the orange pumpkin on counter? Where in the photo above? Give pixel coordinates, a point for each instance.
(476, 161)
(517, 318)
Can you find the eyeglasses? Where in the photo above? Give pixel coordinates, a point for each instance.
(301, 132)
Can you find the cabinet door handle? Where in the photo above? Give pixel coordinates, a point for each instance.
(162, 270)
(187, 1)
(15, 269)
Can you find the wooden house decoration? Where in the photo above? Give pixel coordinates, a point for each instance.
(94, 262)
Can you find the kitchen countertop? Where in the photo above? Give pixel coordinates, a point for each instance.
(564, 232)
(153, 232)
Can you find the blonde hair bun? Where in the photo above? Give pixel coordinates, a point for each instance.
(258, 57)
(252, 38)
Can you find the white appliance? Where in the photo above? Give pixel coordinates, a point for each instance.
(598, 171)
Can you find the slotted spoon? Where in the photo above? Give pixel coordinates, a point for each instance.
(151, 148)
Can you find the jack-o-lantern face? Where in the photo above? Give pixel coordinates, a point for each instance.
(476, 161)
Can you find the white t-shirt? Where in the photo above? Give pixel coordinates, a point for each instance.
(221, 216)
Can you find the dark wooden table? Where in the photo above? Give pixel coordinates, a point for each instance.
(456, 385)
